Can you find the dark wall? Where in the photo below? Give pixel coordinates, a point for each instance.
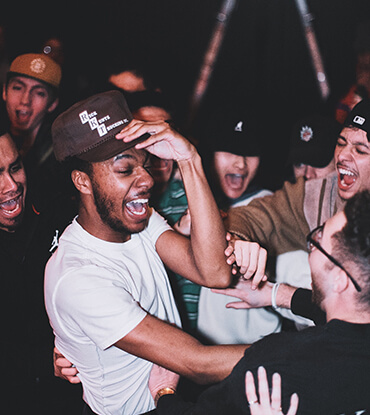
(263, 65)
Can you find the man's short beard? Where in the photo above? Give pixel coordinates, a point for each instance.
(15, 225)
(317, 295)
(104, 206)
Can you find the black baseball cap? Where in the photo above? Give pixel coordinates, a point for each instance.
(233, 131)
(313, 140)
(360, 117)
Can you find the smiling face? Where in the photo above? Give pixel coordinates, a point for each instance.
(234, 173)
(12, 185)
(27, 102)
(352, 162)
(120, 192)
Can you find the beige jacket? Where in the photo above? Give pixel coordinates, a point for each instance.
(280, 222)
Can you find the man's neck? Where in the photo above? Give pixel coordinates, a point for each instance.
(349, 313)
(24, 139)
(95, 227)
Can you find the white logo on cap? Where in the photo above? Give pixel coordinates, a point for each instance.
(306, 133)
(84, 117)
(93, 123)
(239, 126)
(37, 65)
(102, 130)
(359, 120)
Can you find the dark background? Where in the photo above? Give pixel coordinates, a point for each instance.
(263, 66)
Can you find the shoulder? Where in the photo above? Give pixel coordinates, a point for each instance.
(320, 198)
(156, 226)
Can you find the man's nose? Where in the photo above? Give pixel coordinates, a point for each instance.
(8, 184)
(26, 97)
(343, 153)
(310, 173)
(240, 162)
(145, 179)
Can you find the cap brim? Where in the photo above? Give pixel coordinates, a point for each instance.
(312, 157)
(110, 148)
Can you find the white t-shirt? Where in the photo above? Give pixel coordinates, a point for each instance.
(221, 325)
(96, 292)
(293, 268)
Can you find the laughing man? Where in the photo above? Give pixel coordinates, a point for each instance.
(107, 293)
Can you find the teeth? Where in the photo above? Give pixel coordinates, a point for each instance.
(345, 172)
(139, 201)
(10, 205)
(137, 206)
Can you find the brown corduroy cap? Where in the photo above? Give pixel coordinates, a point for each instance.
(37, 66)
(87, 130)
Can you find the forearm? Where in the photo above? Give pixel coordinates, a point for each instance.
(217, 362)
(284, 295)
(177, 351)
(207, 234)
(276, 222)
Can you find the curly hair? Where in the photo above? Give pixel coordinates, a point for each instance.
(352, 243)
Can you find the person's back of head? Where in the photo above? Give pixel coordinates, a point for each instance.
(352, 243)
(312, 143)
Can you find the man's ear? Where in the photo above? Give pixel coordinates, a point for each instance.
(82, 182)
(341, 280)
(4, 92)
(53, 105)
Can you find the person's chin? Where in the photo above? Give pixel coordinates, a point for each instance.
(234, 193)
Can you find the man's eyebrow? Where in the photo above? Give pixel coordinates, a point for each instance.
(18, 160)
(123, 156)
(20, 81)
(355, 143)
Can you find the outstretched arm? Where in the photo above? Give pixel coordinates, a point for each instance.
(264, 296)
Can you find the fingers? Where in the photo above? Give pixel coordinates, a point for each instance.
(276, 392)
(137, 128)
(250, 389)
(251, 259)
(238, 305)
(63, 368)
(263, 404)
(293, 404)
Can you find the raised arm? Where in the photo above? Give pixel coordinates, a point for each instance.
(199, 258)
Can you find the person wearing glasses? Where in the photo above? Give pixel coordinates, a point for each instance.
(327, 366)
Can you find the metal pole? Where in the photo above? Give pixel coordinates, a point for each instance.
(307, 18)
(211, 55)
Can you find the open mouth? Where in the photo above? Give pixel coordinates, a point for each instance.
(12, 207)
(138, 207)
(235, 181)
(23, 116)
(346, 178)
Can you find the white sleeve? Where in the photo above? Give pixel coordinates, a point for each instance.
(156, 226)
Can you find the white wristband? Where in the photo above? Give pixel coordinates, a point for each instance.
(273, 296)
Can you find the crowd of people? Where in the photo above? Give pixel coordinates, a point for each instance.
(148, 272)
